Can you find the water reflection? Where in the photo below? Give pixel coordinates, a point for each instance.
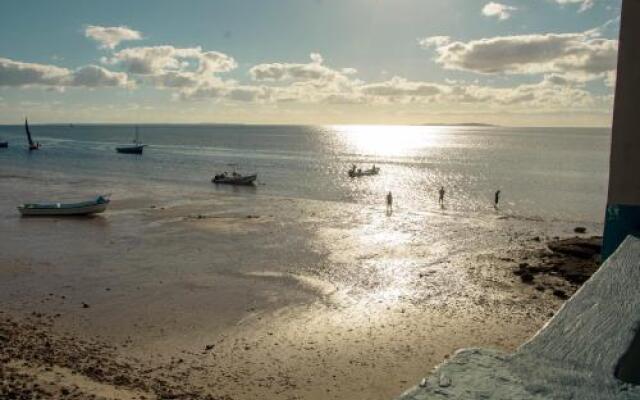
(389, 140)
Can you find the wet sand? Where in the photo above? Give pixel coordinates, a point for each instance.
(242, 296)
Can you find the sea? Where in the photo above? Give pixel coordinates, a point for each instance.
(544, 173)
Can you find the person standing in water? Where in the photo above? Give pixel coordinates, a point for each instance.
(389, 201)
(496, 199)
(441, 195)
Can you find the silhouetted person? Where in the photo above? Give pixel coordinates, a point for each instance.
(496, 199)
(389, 200)
(441, 195)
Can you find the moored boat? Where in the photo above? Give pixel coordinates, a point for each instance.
(135, 148)
(98, 205)
(235, 179)
(354, 173)
(32, 145)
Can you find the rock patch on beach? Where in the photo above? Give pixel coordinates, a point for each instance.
(563, 266)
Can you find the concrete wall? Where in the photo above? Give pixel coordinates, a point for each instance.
(588, 351)
(623, 205)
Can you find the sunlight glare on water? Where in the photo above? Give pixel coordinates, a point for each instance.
(388, 140)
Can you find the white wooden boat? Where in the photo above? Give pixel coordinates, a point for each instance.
(98, 205)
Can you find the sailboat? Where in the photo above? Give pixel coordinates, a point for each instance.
(32, 145)
(136, 148)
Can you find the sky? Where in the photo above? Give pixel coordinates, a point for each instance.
(508, 62)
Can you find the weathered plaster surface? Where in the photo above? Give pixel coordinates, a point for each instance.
(574, 356)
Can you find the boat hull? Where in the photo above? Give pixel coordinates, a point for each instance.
(59, 209)
(368, 172)
(229, 180)
(130, 149)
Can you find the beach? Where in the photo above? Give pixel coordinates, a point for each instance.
(240, 296)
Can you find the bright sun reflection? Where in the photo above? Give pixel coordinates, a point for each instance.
(388, 140)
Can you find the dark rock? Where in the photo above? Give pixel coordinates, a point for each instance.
(560, 294)
(580, 229)
(85, 305)
(577, 247)
(526, 277)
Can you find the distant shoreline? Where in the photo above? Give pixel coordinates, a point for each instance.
(478, 124)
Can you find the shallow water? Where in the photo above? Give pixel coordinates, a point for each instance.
(549, 173)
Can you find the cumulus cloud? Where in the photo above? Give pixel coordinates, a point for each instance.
(192, 71)
(314, 70)
(96, 76)
(498, 10)
(579, 55)
(400, 87)
(110, 36)
(21, 74)
(584, 4)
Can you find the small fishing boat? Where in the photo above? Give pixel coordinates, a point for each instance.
(136, 148)
(98, 205)
(354, 173)
(32, 145)
(4, 145)
(235, 179)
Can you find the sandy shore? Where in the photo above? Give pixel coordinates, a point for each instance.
(242, 296)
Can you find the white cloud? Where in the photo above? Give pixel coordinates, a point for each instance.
(313, 71)
(95, 76)
(400, 87)
(21, 74)
(579, 55)
(498, 10)
(156, 60)
(434, 41)
(110, 36)
(584, 4)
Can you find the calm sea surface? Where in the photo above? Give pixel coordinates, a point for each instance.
(550, 173)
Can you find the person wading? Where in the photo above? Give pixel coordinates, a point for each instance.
(496, 199)
(441, 196)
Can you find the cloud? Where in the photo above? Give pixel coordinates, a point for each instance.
(584, 4)
(169, 60)
(582, 56)
(313, 71)
(498, 10)
(92, 76)
(434, 41)
(110, 36)
(21, 74)
(400, 87)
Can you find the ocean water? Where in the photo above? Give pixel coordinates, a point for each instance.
(547, 173)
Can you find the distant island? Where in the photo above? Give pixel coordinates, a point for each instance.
(462, 124)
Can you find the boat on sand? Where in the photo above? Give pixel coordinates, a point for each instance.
(95, 206)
